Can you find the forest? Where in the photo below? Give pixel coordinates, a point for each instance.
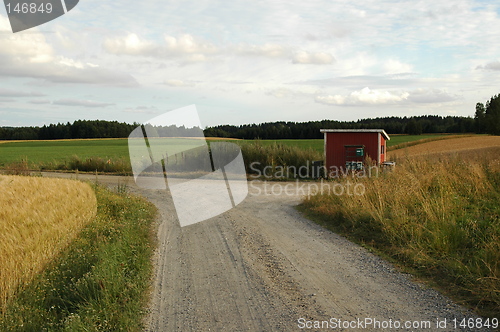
(485, 121)
(310, 130)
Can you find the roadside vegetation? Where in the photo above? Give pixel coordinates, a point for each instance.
(436, 216)
(97, 282)
(258, 156)
(38, 218)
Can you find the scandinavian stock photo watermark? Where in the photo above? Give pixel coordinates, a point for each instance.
(307, 179)
(371, 324)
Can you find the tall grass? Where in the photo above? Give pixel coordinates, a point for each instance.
(98, 164)
(275, 157)
(438, 216)
(18, 168)
(38, 218)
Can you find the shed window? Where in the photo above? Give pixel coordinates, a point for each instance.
(382, 149)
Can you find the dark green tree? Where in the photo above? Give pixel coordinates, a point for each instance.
(480, 118)
(492, 116)
(413, 128)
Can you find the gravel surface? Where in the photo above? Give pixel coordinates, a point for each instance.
(262, 266)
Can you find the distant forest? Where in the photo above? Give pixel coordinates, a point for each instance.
(486, 120)
(77, 129)
(271, 130)
(392, 125)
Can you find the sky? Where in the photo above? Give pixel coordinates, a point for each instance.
(251, 61)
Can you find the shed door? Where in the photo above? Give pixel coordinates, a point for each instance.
(354, 155)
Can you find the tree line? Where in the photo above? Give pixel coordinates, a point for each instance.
(77, 129)
(428, 124)
(485, 121)
(92, 129)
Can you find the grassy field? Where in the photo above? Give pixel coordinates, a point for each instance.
(60, 152)
(38, 218)
(436, 216)
(112, 155)
(100, 281)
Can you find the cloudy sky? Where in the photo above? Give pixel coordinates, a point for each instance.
(251, 61)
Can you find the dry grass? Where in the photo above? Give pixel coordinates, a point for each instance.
(447, 146)
(424, 140)
(437, 214)
(38, 218)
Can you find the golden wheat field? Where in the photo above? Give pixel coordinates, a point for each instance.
(447, 146)
(38, 218)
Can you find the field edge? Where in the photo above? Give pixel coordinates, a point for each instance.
(101, 281)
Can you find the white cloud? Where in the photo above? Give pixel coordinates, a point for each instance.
(186, 46)
(30, 47)
(429, 95)
(319, 58)
(267, 45)
(65, 72)
(494, 65)
(79, 102)
(281, 93)
(72, 63)
(289, 93)
(364, 97)
(179, 83)
(267, 50)
(39, 101)
(143, 110)
(393, 66)
(367, 96)
(13, 93)
(130, 44)
(30, 54)
(192, 49)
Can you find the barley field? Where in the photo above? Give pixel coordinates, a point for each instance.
(38, 218)
(452, 145)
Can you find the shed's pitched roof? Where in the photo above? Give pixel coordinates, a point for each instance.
(381, 131)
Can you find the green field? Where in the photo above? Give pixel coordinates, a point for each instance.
(54, 152)
(58, 154)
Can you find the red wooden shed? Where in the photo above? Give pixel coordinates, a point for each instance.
(349, 148)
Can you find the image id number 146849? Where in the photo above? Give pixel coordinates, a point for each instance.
(29, 8)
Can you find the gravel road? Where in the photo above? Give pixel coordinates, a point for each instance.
(262, 266)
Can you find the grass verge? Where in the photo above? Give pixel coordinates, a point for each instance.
(100, 281)
(39, 217)
(438, 219)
